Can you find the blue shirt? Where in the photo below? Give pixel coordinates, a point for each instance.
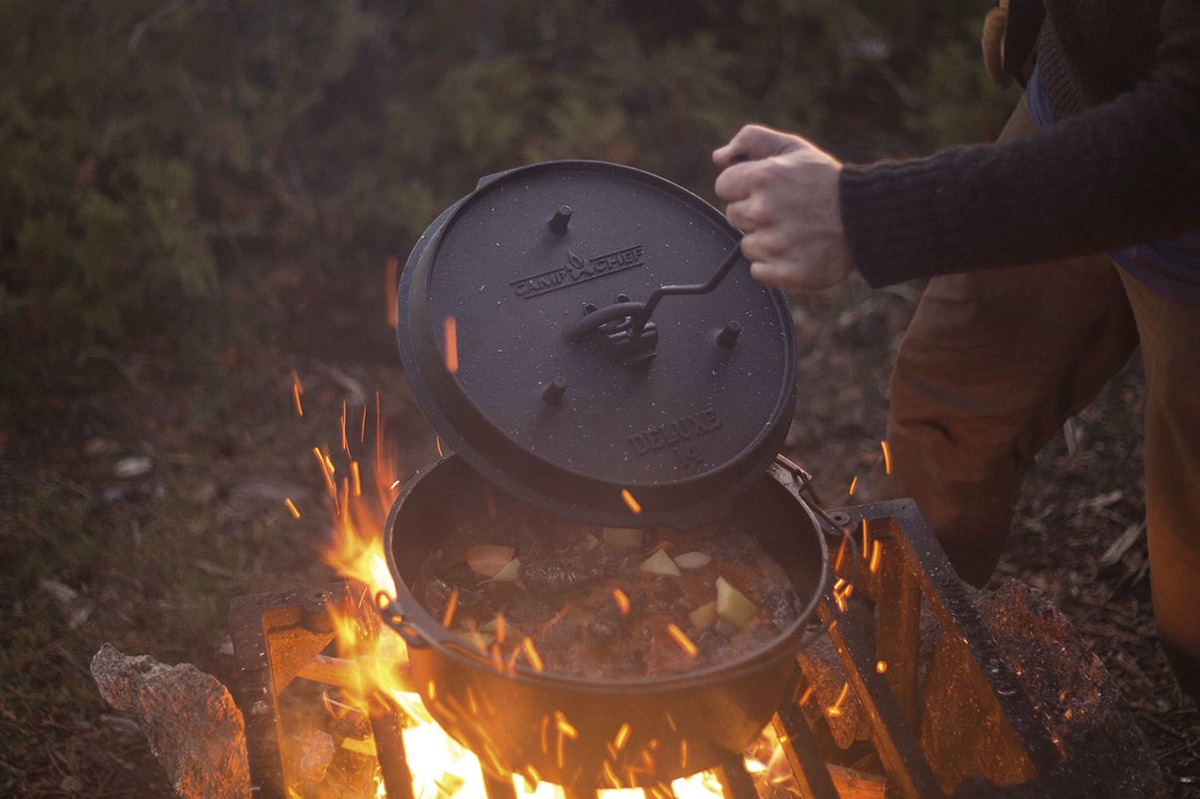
(1169, 267)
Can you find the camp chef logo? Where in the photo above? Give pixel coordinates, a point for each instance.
(577, 270)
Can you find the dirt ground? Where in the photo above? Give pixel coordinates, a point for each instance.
(145, 487)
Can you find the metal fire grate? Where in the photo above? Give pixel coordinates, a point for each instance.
(896, 566)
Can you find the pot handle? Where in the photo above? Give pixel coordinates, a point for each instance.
(393, 618)
(833, 526)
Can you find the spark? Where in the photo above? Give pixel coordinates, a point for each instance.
(292, 507)
(622, 600)
(327, 471)
(866, 544)
(876, 554)
(437, 443)
(345, 443)
(622, 737)
(807, 695)
(362, 432)
(841, 554)
(881, 666)
(357, 478)
(835, 709)
(633, 504)
(297, 390)
(853, 485)
(887, 456)
(501, 628)
(564, 726)
(451, 326)
(391, 273)
(451, 605)
(531, 653)
(681, 638)
(610, 775)
(476, 638)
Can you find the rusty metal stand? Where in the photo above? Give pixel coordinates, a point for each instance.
(901, 568)
(280, 636)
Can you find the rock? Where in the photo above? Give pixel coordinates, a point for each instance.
(1070, 689)
(194, 729)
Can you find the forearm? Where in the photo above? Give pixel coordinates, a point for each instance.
(1124, 172)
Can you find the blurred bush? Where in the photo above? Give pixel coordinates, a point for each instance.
(153, 147)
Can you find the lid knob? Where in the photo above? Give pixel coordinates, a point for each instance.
(728, 337)
(552, 395)
(562, 218)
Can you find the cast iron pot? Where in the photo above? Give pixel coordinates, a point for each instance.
(560, 728)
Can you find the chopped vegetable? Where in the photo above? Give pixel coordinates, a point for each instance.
(704, 616)
(693, 560)
(509, 573)
(622, 540)
(488, 559)
(660, 563)
(732, 605)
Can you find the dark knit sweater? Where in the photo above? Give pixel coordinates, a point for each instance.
(1122, 165)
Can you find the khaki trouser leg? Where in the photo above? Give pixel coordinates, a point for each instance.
(1170, 334)
(991, 365)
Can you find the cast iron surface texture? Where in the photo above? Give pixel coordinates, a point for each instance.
(561, 728)
(683, 425)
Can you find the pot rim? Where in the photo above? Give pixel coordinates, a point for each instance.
(420, 630)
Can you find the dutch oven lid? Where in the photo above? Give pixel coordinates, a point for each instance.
(591, 419)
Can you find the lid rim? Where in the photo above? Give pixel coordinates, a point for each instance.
(529, 475)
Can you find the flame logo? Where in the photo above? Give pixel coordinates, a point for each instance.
(577, 265)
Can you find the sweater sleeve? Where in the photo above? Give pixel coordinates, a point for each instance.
(1117, 174)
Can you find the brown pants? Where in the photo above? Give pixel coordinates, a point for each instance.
(992, 365)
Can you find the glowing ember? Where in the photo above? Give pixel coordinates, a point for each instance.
(451, 344)
(887, 457)
(297, 390)
(535, 660)
(622, 600)
(291, 506)
(835, 709)
(685, 643)
(633, 504)
(853, 485)
(876, 553)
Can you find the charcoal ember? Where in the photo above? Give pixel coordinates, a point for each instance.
(831, 699)
(552, 576)
(316, 754)
(1070, 691)
(194, 729)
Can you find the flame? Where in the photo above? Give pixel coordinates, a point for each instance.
(441, 768)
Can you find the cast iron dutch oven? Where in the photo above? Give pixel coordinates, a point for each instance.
(538, 340)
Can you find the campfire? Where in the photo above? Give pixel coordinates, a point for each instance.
(884, 678)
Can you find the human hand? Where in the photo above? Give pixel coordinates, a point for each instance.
(783, 195)
(995, 25)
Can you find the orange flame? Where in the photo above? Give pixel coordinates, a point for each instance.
(441, 768)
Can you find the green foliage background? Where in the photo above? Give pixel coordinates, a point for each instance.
(153, 151)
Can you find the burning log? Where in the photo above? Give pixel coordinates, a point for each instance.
(194, 729)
